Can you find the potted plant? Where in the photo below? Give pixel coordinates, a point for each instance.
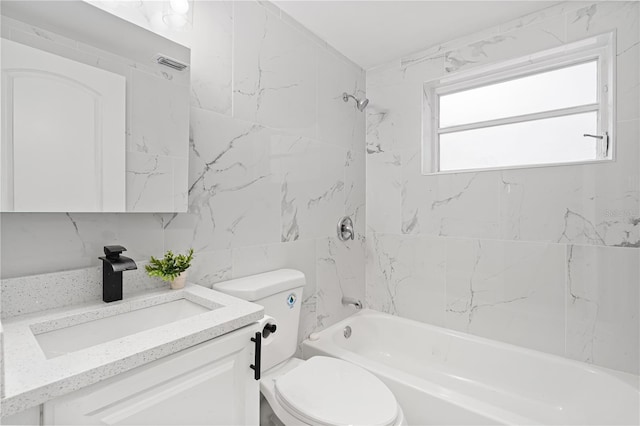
(172, 268)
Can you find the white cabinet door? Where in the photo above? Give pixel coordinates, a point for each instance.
(63, 138)
(28, 417)
(209, 384)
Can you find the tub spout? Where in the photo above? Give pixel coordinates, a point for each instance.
(352, 301)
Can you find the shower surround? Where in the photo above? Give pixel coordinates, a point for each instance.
(276, 158)
(546, 258)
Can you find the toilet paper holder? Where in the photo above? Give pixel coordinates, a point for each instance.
(267, 326)
(268, 329)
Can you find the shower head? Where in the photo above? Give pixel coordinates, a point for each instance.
(361, 104)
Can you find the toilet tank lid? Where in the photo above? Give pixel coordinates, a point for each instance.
(256, 287)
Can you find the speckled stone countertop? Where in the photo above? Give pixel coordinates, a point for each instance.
(31, 379)
(42, 292)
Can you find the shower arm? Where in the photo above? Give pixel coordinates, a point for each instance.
(346, 96)
(361, 104)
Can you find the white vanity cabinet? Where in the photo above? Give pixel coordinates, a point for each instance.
(208, 384)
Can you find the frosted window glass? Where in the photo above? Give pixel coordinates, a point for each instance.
(546, 141)
(562, 88)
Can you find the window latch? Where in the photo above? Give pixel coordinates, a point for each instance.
(586, 135)
(604, 137)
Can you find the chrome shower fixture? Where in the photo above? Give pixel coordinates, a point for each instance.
(345, 229)
(361, 104)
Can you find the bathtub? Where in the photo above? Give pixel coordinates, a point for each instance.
(441, 376)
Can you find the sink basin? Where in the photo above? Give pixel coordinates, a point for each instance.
(81, 336)
(51, 353)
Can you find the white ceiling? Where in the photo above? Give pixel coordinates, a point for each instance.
(371, 33)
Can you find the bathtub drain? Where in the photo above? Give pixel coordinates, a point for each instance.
(347, 332)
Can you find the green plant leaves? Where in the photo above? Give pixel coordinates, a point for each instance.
(170, 266)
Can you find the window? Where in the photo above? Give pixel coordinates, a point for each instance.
(554, 107)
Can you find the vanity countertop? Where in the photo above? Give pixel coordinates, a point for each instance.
(31, 378)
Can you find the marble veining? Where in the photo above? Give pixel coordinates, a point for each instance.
(74, 240)
(233, 193)
(593, 204)
(355, 189)
(31, 379)
(159, 115)
(467, 306)
(600, 328)
(547, 33)
(381, 261)
(339, 123)
(375, 120)
(340, 269)
(148, 177)
(507, 290)
(308, 320)
(576, 298)
(384, 183)
(528, 252)
(274, 76)
(403, 269)
(210, 267)
(312, 188)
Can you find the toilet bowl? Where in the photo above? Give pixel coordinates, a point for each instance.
(320, 391)
(328, 391)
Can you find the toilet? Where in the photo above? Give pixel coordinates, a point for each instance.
(320, 391)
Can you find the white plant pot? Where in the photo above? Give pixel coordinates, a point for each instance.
(179, 281)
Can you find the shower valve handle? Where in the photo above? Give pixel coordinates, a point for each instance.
(345, 229)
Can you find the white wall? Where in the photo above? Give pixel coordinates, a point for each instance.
(276, 158)
(545, 258)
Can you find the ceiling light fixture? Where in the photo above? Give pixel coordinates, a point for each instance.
(177, 13)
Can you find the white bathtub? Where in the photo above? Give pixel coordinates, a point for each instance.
(444, 377)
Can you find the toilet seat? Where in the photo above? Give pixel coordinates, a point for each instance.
(329, 391)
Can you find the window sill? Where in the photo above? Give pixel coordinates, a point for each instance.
(527, 166)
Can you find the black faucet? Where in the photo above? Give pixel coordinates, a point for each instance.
(112, 267)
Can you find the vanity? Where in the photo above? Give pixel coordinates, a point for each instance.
(160, 357)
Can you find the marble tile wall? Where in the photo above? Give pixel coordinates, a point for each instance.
(275, 159)
(546, 258)
(543, 258)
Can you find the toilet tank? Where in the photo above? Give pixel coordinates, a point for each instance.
(280, 294)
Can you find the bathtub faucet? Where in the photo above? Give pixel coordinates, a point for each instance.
(352, 301)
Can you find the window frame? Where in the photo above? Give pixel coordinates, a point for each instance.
(600, 48)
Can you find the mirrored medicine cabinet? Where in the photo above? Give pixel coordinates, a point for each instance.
(95, 112)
